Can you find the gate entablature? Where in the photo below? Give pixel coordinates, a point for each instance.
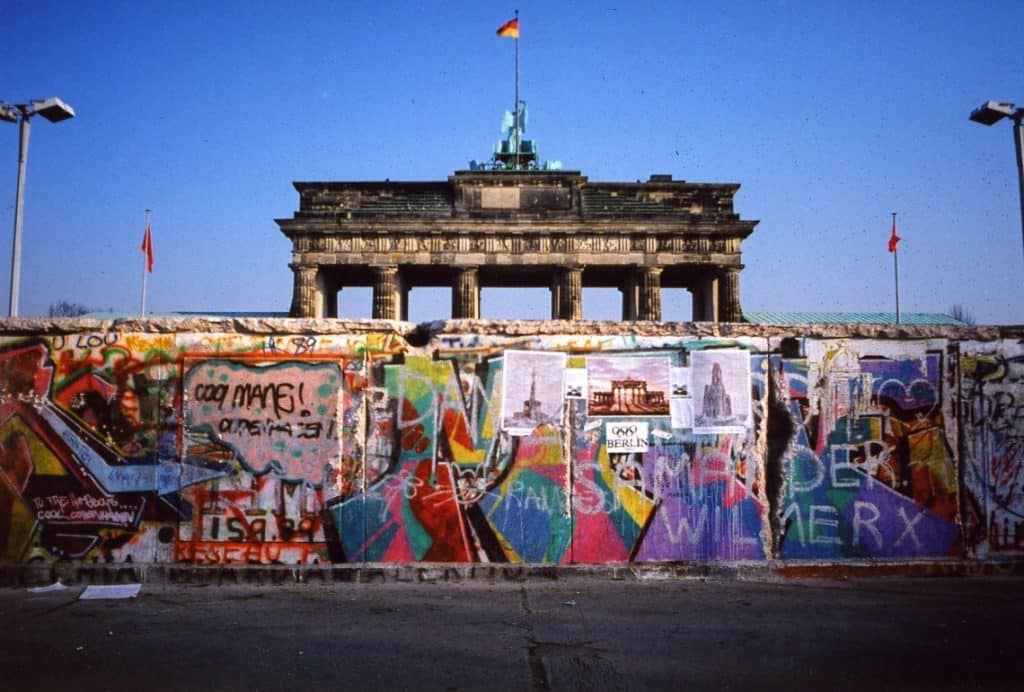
(496, 226)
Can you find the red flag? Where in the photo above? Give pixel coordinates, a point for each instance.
(509, 29)
(147, 247)
(893, 239)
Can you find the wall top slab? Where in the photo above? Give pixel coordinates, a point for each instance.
(424, 332)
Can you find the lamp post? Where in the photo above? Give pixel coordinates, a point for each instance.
(991, 112)
(54, 110)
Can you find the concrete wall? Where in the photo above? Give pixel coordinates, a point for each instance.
(304, 441)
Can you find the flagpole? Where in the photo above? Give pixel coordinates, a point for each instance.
(896, 269)
(515, 106)
(145, 270)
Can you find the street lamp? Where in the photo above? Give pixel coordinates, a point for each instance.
(54, 110)
(991, 112)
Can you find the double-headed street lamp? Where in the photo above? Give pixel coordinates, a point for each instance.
(54, 110)
(991, 112)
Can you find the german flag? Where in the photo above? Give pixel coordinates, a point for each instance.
(509, 29)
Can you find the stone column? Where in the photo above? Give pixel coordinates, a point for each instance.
(403, 295)
(570, 293)
(630, 290)
(307, 293)
(556, 294)
(705, 298)
(386, 299)
(328, 295)
(466, 294)
(650, 294)
(729, 309)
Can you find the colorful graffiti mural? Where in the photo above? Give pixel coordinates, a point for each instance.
(870, 471)
(282, 427)
(299, 449)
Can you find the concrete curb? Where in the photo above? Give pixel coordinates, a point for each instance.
(70, 573)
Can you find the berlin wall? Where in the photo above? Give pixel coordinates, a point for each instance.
(299, 442)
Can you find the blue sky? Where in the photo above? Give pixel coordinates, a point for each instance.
(830, 115)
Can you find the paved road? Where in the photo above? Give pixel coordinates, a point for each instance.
(576, 634)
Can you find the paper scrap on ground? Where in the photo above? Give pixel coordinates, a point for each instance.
(92, 593)
(56, 586)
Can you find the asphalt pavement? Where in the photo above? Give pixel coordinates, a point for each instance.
(582, 633)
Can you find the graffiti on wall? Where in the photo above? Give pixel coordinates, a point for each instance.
(107, 456)
(990, 383)
(648, 487)
(484, 469)
(869, 471)
(300, 449)
(459, 486)
(284, 427)
(266, 455)
(87, 447)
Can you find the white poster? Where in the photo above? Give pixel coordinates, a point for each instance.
(626, 436)
(682, 412)
(721, 390)
(576, 383)
(532, 390)
(681, 397)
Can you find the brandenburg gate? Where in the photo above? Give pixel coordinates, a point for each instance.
(518, 228)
